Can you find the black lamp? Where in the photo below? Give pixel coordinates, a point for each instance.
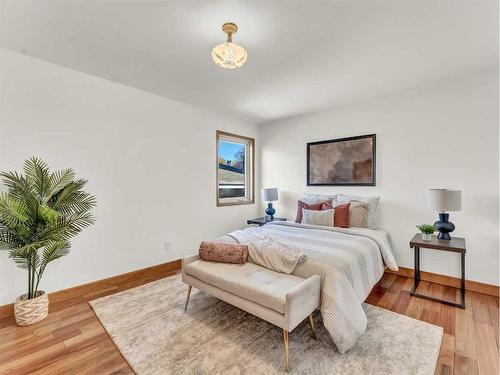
(443, 200)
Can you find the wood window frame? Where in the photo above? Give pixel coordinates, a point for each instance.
(251, 169)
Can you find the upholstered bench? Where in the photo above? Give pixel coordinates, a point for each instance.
(281, 299)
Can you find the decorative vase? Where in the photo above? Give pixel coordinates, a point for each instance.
(426, 236)
(444, 226)
(31, 311)
(270, 211)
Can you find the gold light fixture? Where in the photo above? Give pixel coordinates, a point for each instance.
(229, 55)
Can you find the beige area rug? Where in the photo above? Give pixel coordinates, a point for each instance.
(154, 334)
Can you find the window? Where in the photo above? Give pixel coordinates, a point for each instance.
(235, 169)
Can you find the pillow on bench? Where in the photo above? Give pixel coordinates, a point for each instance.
(223, 252)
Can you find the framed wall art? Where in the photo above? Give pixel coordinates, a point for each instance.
(342, 162)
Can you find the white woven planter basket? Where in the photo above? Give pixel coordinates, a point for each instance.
(31, 311)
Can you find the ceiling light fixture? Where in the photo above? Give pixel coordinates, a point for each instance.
(229, 55)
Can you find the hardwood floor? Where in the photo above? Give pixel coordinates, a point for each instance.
(72, 341)
(470, 341)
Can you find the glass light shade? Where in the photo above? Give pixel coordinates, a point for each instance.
(229, 55)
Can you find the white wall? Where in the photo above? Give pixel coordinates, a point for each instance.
(442, 135)
(150, 162)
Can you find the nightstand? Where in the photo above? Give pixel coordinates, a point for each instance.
(455, 245)
(264, 220)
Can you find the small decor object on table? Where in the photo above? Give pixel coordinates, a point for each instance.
(264, 220)
(427, 231)
(39, 213)
(443, 200)
(270, 195)
(455, 245)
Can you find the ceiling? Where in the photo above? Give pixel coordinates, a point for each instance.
(303, 56)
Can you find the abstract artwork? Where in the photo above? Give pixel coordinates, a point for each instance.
(344, 161)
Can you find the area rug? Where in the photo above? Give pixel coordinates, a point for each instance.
(154, 334)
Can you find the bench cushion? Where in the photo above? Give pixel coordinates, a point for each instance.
(257, 284)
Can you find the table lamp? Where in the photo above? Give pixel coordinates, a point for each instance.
(270, 195)
(443, 200)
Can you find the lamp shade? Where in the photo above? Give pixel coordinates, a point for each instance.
(444, 199)
(270, 194)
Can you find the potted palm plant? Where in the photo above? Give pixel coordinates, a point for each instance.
(39, 213)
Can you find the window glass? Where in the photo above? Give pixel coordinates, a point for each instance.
(234, 169)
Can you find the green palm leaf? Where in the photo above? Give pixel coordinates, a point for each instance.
(38, 174)
(9, 239)
(58, 180)
(12, 211)
(21, 189)
(54, 250)
(25, 254)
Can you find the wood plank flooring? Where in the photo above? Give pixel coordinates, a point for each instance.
(72, 341)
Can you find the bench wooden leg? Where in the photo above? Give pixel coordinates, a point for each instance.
(285, 338)
(313, 327)
(187, 297)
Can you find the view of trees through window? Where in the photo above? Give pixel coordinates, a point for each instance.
(231, 169)
(235, 169)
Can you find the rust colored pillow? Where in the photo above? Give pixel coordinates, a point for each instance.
(341, 216)
(223, 252)
(301, 205)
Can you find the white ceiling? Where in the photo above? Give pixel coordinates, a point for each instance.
(302, 55)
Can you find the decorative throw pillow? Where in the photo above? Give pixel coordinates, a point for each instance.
(222, 252)
(315, 217)
(358, 214)
(341, 214)
(372, 206)
(301, 205)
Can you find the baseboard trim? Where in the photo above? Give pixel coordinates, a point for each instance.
(82, 293)
(473, 286)
(6, 311)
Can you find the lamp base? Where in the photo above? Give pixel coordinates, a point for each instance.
(270, 211)
(444, 227)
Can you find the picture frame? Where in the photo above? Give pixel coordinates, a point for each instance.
(347, 161)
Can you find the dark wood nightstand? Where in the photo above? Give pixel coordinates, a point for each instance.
(264, 220)
(455, 245)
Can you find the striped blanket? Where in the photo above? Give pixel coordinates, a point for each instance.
(350, 261)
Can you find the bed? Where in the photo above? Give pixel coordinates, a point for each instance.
(350, 261)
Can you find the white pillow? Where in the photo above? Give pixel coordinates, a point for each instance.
(324, 218)
(372, 206)
(309, 198)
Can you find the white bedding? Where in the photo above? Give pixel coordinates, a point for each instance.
(350, 262)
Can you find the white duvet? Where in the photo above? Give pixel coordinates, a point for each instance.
(350, 262)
